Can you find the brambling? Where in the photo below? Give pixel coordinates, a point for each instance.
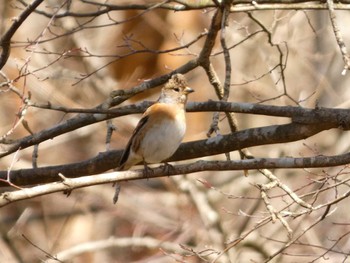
(161, 128)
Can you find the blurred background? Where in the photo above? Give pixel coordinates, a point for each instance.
(75, 61)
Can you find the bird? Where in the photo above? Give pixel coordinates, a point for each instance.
(161, 128)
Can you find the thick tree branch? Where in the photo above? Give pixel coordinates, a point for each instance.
(68, 184)
(333, 117)
(213, 146)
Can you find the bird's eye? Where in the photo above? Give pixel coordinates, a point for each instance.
(176, 89)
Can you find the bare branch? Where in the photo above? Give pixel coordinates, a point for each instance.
(114, 242)
(225, 217)
(333, 118)
(5, 40)
(317, 221)
(69, 184)
(238, 140)
(338, 36)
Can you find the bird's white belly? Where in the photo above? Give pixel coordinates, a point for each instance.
(162, 141)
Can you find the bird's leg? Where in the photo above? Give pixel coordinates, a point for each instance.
(147, 172)
(167, 168)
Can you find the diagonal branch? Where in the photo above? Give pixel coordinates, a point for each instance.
(6, 38)
(338, 36)
(334, 117)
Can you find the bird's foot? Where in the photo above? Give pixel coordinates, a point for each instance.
(147, 172)
(168, 168)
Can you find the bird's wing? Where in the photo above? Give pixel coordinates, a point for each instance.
(126, 152)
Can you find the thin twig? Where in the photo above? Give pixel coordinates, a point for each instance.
(338, 36)
(17, 22)
(288, 244)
